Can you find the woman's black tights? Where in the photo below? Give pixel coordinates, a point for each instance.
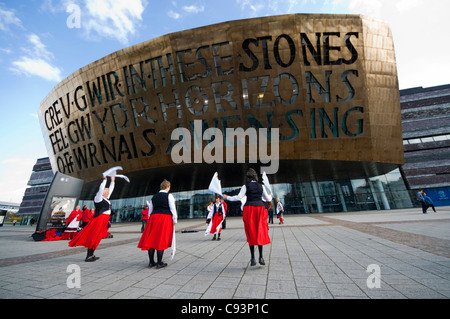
(159, 255)
(252, 251)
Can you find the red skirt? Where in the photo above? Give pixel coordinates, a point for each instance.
(91, 235)
(216, 220)
(256, 226)
(158, 232)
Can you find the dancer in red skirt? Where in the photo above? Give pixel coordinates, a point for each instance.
(91, 235)
(86, 217)
(216, 216)
(144, 218)
(158, 232)
(73, 223)
(280, 211)
(254, 215)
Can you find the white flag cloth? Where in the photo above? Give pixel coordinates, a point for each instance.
(112, 172)
(215, 186)
(266, 183)
(124, 177)
(220, 225)
(243, 201)
(208, 229)
(174, 245)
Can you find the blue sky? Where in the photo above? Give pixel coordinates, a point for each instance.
(39, 47)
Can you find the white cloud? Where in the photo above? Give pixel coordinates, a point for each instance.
(253, 8)
(8, 17)
(370, 8)
(15, 174)
(405, 5)
(194, 9)
(36, 61)
(418, 29)
(292, 5)
(38, 49)
(173, 15)
(39, 67)
(7, 51)
(111, 18)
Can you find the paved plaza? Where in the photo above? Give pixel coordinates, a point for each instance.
(396, 254)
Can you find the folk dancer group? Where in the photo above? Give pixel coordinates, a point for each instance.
(159, 229)
(77, 220)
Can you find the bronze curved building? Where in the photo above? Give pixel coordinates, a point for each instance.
(321, 90)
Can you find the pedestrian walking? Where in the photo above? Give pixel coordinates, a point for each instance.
(422, 201)
(428, 201)
(270, 210)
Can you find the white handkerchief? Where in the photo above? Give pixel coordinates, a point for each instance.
(124, 177)
(243, 201)
(215, 186)
(174, 245)
(266, 183)
(112, 171)
(208, 229)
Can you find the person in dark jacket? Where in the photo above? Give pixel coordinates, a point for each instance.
(422, 201)
(255, 214)
(428, 201)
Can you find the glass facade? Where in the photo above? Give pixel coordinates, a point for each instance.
(376, 193)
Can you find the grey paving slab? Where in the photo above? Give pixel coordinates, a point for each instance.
(323, 256)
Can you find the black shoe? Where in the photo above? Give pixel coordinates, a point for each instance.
(261, 261)
(214, 238)
(161, 265)
(218, 238)
(91, 259)
(150, 265)
(252, 262)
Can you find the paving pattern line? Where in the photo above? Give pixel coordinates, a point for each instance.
(437, 246)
